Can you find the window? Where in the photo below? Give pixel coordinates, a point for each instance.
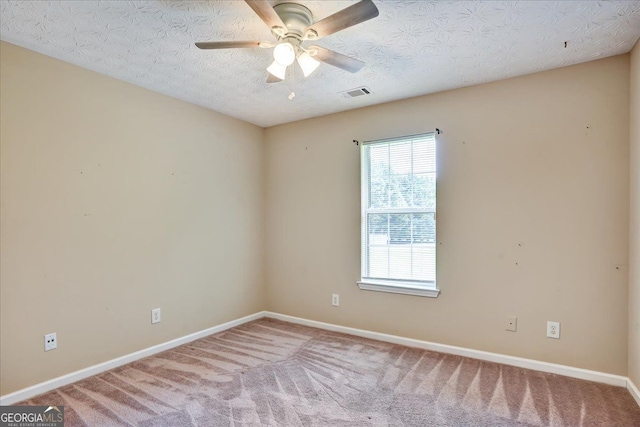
(399, 215)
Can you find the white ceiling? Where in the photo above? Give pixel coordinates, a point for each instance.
(412, 48)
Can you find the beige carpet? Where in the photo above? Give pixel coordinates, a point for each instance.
(272, 373)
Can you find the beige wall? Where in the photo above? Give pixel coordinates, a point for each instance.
(533, 216)
(634, 234)
(117, 200)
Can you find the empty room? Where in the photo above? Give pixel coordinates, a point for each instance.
(319, 213)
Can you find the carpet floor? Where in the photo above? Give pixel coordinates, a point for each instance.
(274, 373)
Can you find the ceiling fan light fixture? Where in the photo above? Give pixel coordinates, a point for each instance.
(293, 24)
(284, 54)
(307, 63)
(278, 70)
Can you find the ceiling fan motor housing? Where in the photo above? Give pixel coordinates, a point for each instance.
(296, 17)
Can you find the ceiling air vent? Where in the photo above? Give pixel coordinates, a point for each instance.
(354, 93)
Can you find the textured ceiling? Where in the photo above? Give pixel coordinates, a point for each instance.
(412, 48)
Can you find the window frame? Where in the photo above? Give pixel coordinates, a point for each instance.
(398, 286)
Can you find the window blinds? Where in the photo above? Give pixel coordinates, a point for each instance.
(398, 210)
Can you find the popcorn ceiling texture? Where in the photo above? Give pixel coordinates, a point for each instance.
(412, 48)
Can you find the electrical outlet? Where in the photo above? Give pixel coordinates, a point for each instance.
(553, 330)
(335, 300)
(155, 315)
(512, 323)
(50, 342)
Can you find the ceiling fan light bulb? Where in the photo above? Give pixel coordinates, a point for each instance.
(307, 64)
(284, 54)
(277, 70)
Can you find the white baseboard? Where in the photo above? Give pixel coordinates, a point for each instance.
(29, 392)
(520, 362)
(568, 371)
(633, 390)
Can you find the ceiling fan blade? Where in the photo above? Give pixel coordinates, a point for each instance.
(264, 10)
(226, 45)
(272, 79)
(336, 59)
(348, 17)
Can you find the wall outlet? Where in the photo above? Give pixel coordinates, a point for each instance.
(155, 315)
(553, 330)
(512, 323)
(50, 342)
(335, 300)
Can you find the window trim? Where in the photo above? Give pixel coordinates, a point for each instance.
(404, 287)
(398, 288)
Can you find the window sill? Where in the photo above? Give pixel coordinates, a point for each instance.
(396, 288)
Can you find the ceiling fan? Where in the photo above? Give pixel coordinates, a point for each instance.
(293, 24)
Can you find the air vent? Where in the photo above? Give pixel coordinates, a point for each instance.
(354, 93)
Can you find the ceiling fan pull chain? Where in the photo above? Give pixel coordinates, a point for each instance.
(293, 84)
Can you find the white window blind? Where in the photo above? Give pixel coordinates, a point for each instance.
(399, 215)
